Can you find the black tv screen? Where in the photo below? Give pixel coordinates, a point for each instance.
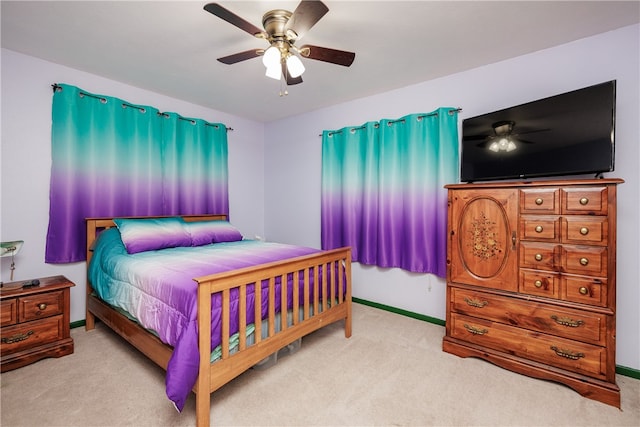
(567, 134)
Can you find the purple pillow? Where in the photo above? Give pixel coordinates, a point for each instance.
(150, 234)
(207, 232)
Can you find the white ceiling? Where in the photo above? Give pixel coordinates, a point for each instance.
(170, 47)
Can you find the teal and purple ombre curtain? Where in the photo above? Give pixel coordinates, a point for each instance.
(382, 190)
(112, 158)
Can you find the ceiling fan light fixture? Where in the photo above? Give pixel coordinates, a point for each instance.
(503, 144)
(271, 57)
(274, 72)
(294, 66)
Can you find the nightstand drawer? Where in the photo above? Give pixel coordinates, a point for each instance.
(562, 353)
(38, 306)
(8, 312)
(31, 334)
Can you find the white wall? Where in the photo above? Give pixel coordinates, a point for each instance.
(26, 161)
(293, 160)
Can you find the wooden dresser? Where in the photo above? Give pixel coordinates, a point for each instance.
(531, 280)
(34, 321)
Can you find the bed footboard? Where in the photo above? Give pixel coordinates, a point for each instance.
(316, 313)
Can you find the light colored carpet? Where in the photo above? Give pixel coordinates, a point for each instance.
(391, 372)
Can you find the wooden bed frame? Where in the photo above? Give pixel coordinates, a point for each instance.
(212, 376)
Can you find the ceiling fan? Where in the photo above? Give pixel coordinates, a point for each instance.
(281, 30)
(503, 138)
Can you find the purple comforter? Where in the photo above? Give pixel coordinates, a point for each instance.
(157, 288)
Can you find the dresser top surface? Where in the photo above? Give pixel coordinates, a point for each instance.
(544, 183)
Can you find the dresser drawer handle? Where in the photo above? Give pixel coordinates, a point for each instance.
(539, 201)
(584, 231)
(538, 257)
(584, 201)
(42, 306)
(539, 229)
(474, 330)
(567, 354)
(584, 261)
(473, 302)
(567, 321)
(537, 283)
(583, 290)
(17, 338)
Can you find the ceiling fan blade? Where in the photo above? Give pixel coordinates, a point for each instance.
(531, 131)
(241, 56)
(306, 15)
(290, 80)
(475, 137)
(232, 18)
(326, 54)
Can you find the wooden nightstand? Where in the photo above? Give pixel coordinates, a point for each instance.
(34, 321)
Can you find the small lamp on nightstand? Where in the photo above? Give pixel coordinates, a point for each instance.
(10, 249)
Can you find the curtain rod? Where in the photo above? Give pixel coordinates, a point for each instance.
(435, 113)
(57, 87)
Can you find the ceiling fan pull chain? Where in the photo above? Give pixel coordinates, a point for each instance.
(283, 82)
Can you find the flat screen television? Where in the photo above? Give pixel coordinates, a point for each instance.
(567, 134)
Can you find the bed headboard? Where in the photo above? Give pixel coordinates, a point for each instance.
(96, 225)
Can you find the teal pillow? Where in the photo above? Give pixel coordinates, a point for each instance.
(207, 232)
(150, 234)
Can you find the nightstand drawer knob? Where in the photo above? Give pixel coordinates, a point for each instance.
(584, 201)
(42, 306)
(584, 261)
(538, 257)
(584, 231)
(538, 201)
(583, 290)
(539, 229)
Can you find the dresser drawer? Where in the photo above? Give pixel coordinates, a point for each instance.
(540, 228)
(563, 322)
(585, 230)
(585, 290)
(562, 353)
(539, 256)
(31, 334)
(540, 200)
(38, 306)
(8, 312)
(541, 283)
(585, 260)
(585, 200)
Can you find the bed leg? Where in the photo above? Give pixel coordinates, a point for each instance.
(347, 323)
(203, 408)
(90, 321)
